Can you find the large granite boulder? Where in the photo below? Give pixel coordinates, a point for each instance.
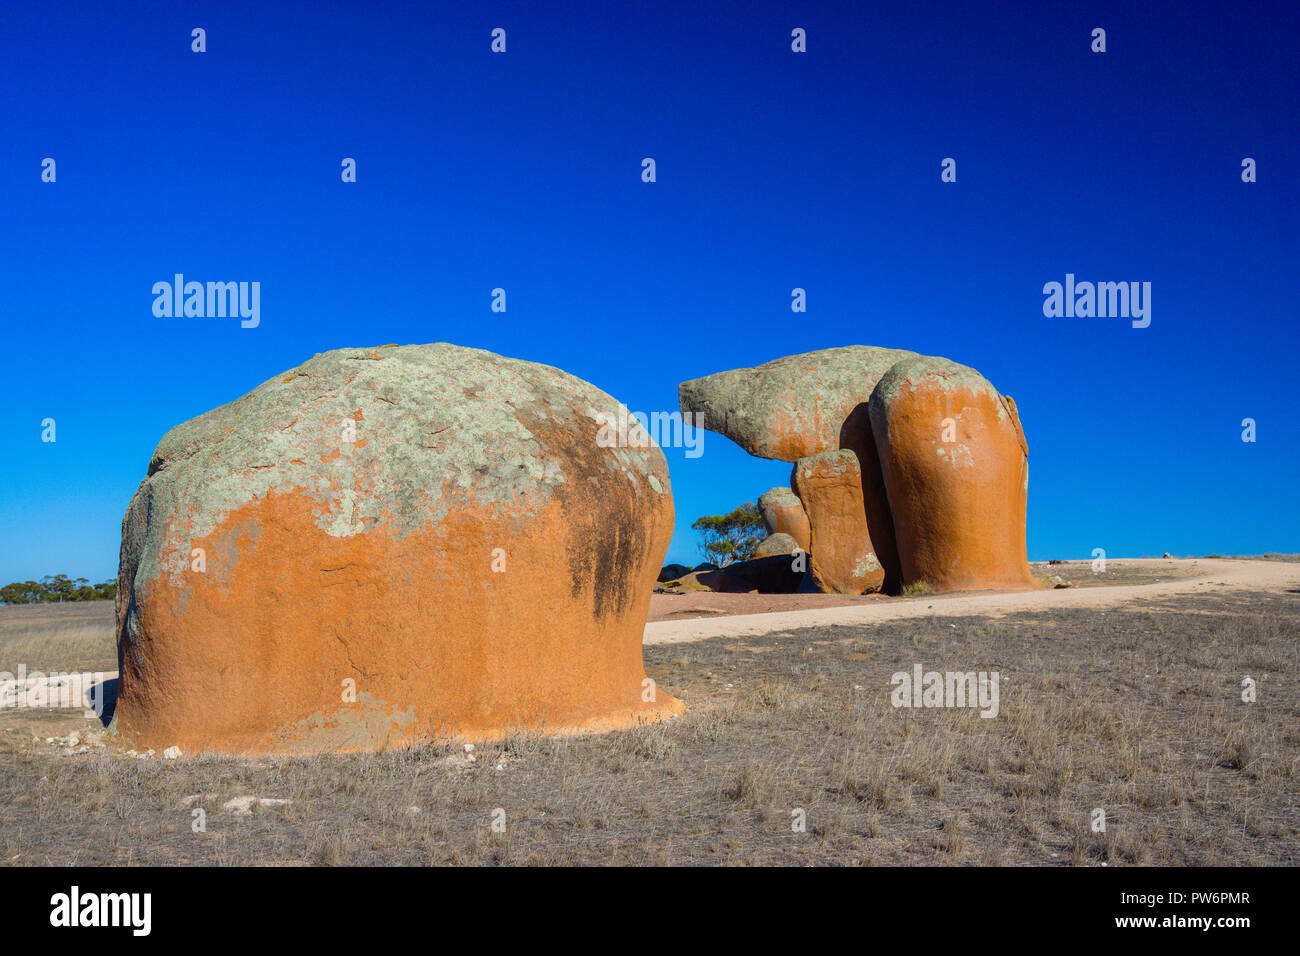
(804, 406)
(792, 407)
(389, 545)
(957, 472)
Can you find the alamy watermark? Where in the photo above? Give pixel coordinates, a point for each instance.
(57, 690)
(213, 300)
(1103, 300)
(665, 429)
(923, 688)
(129, 910)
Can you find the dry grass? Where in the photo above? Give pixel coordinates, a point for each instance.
(75, 636)
(1134, 711)
(1267, 556)
(1081, 575)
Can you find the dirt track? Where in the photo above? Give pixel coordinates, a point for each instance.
(1201, 576)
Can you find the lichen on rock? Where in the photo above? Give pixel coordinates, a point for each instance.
(437, 524)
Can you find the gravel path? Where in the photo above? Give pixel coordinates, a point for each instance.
(1203, 576)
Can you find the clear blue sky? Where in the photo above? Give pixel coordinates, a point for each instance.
(775, 170)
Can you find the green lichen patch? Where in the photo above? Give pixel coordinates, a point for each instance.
(397, 436)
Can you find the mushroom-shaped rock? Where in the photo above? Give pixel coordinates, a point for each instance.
(792, 407)
(783, 514)
(387, 545)
(955, 463)
(803, 405)
(842, 559)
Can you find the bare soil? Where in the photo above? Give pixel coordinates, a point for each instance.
(1077, 574)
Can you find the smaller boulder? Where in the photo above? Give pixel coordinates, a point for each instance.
(776, 574)
(842, 558)
(775, 544)
(702, 580)
(771, 575)
(671, 572)
(783, 513)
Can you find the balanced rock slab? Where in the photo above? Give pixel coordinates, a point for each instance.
(783, 513)
(390, 545)
(955, 464)
(791, 407)
(842, 559)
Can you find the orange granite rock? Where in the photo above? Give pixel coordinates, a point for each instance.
(802, 405)
(842, 560)
(388, 546)
(830, 400)
(955, 465)
(791, 407)
(783, 513)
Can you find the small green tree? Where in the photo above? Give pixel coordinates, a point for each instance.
(60, 587)
(21, 592)
(56, 588)
(731, 537)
